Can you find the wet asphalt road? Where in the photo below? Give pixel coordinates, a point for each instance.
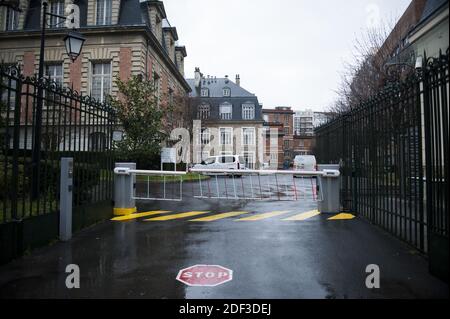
(271, 258)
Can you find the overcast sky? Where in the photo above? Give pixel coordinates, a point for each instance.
(287, 52)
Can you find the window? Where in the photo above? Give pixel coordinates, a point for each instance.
(8, 89)
(226, 111)
(97, 141)
(226, 92)
(226, 136)
(248, 136)
(12, 19)
(101, 81)
(54, 72)
(286, 144)
(249, 159)
(205, 136)
(297, 125)
(248, 111)
(204, 92)
(266, 118)
(49, 141)
(57, 8)
(171, 97)
(104, 12)
(157, 87)
(227, 159)
(203, 112)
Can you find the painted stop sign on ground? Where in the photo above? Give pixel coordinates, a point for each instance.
(205, 275)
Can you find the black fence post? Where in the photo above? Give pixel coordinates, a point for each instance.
(15, 157)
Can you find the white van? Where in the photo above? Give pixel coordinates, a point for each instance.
(305, 163)
(222, 162)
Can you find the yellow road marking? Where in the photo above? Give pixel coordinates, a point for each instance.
(304, 216)
(139, 215)
(176, 216)
(263, 216)
(342, 217)
(217, 217)
(124, 211)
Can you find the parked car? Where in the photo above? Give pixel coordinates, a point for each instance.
(222, 162)
(305, 163)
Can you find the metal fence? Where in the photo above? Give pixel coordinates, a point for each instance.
(73, 125)
(393, 151)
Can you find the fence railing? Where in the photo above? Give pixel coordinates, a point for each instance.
(391, 149)
(73, 125)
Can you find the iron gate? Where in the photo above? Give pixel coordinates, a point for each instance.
(393, 151)
(436, 117)
(73, 125)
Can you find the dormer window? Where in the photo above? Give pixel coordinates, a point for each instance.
(226, 111)
(226, 92)
(104, 12)
(205, 92)
(248, 111)
(203, 112)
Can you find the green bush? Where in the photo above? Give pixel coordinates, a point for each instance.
(143, 159)
(6, 181)
(86, 177)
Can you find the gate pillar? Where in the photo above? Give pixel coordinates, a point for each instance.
(124, 185)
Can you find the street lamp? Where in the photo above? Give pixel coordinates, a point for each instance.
(73, 43)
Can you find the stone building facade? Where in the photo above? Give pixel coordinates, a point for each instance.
(231, 120)
(123, 38)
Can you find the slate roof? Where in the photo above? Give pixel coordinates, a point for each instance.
(236, 103)
(132, 13)
(216, 85)
(431, 7)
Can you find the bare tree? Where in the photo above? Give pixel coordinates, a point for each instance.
(369, 70)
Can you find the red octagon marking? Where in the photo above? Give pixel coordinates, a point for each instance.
(205, 275)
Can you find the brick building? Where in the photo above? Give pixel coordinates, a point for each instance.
(123, 38)
(274, 153)
(281, 118)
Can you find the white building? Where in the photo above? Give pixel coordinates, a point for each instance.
(306, 121)
(303, 123)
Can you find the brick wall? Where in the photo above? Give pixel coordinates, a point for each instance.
(125, 64)
(29, 59)
(75, 75)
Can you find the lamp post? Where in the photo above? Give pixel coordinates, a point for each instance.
(73, 43)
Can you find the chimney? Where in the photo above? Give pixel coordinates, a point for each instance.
(198, 77)
(226, 79)
(238, 80)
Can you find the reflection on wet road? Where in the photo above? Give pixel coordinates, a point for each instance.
(274, 249)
